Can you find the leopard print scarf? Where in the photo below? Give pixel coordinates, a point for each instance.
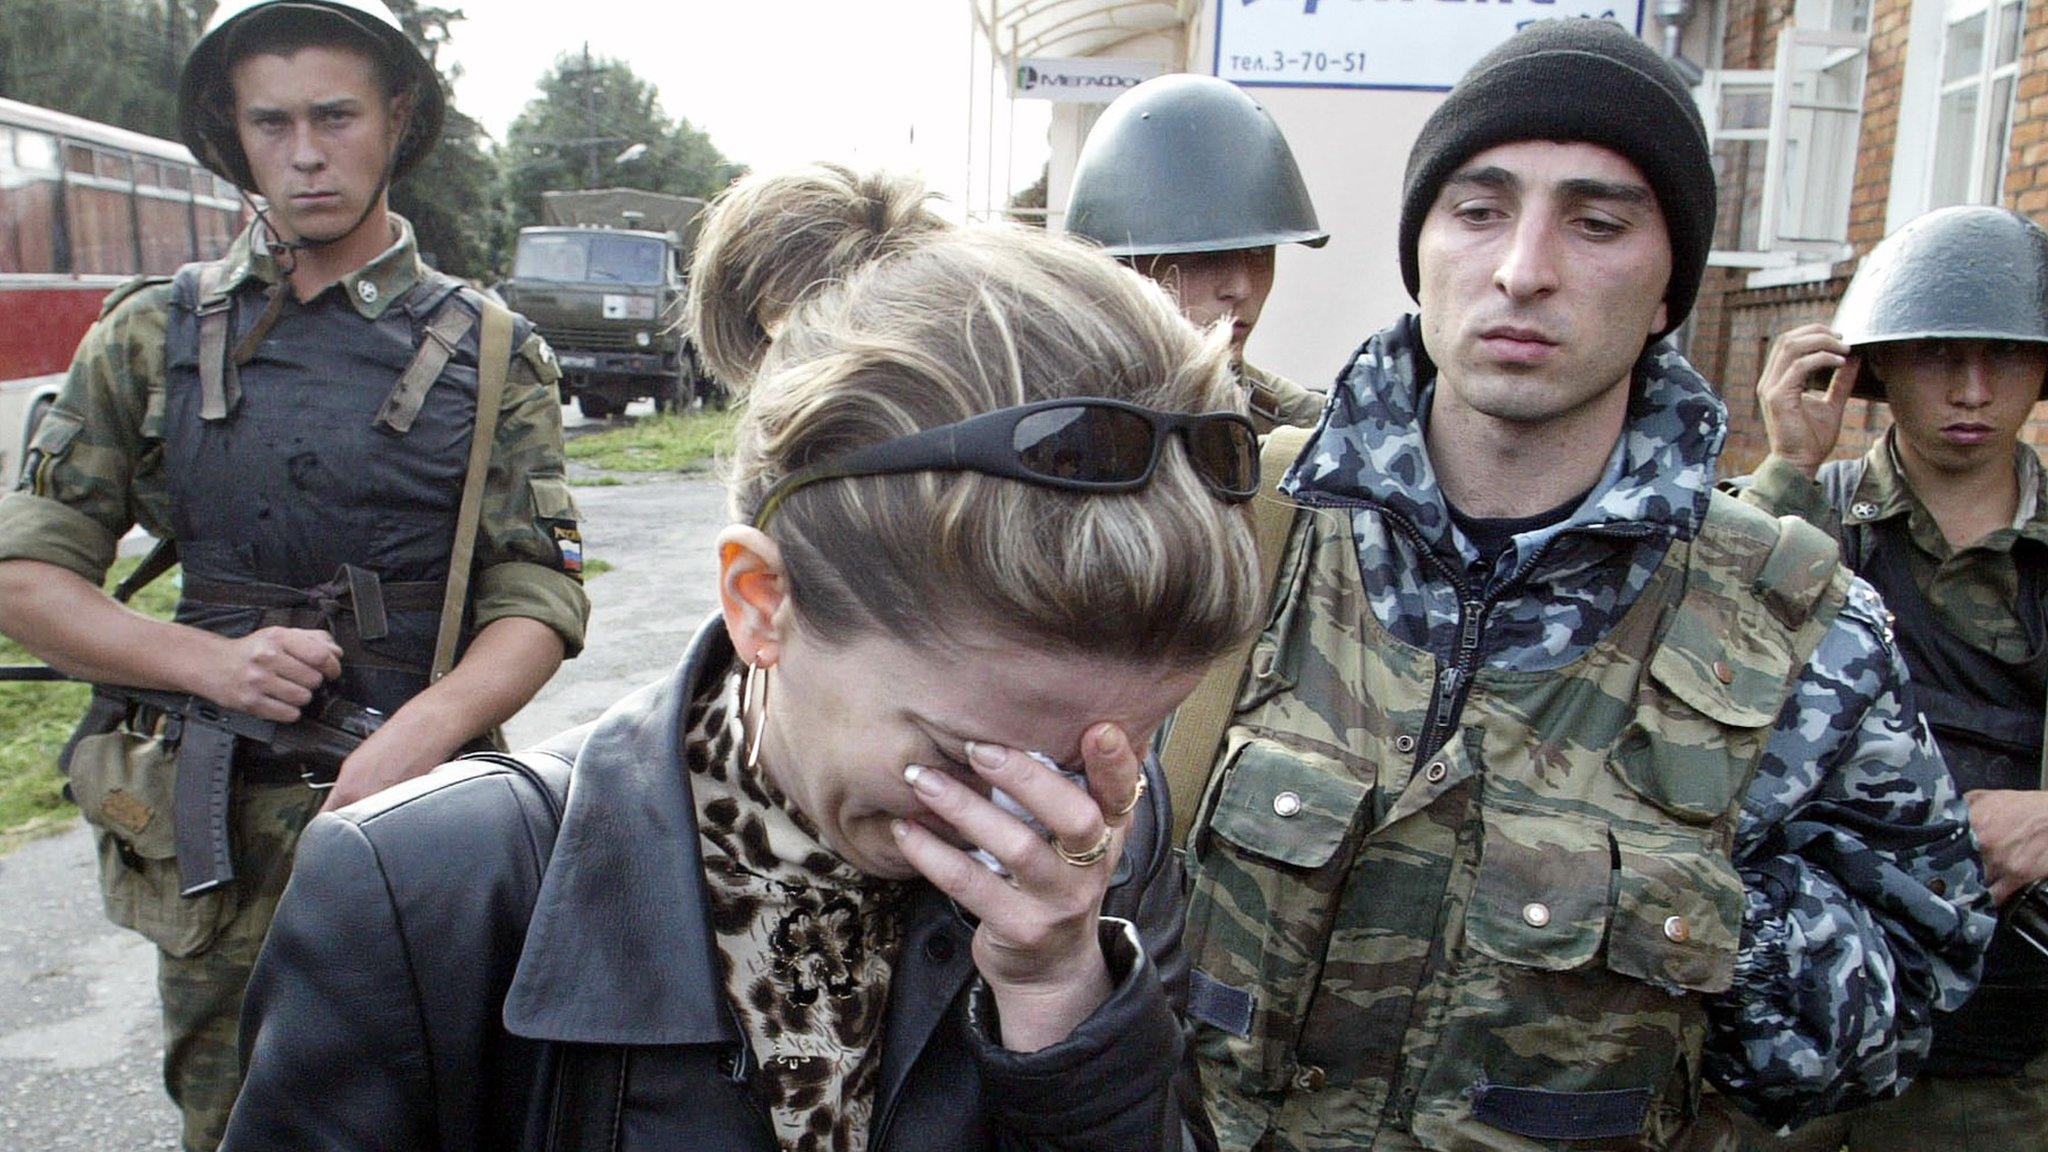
(808, 941)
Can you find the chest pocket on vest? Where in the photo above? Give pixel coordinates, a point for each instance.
(1693, 744)
(1547, 1022)
(1266, 876)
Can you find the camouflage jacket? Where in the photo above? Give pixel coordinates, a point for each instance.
(1973, 588)
(1273, 400)
(96, 467)
(1860, 897)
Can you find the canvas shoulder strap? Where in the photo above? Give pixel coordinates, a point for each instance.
(446, 325)
(494, 358)
(218, 386)
(1198, 726)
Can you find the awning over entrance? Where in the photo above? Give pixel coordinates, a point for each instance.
(1020, 28)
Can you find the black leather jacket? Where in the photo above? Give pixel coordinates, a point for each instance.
(434, 967)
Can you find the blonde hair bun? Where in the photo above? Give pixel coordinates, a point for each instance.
(771, 241)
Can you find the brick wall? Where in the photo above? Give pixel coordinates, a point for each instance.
(2026, 166)
(1750, 328)
(1890, 20)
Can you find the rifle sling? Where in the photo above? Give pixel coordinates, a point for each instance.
(494, 361)
(162, 557)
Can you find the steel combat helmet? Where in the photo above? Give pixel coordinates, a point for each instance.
(205, 104)
(1188, 163)
(1965, 273)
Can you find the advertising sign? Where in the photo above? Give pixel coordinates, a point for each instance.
(1095, 80)
(1423, 44)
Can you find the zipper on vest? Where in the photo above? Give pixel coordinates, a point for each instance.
(1447, 695)
(1448, 701)
(1471, 616)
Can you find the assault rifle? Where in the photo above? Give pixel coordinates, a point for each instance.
(202, 736)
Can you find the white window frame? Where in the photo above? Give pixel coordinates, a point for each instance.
(1913, 172)
(1985, 80)
(1779, 258)
(1839, 47)
(1714, 87)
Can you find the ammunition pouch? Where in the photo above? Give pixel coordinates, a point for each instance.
(124, 782)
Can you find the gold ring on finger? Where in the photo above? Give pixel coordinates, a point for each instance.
(1087, 857)
(1137, 794)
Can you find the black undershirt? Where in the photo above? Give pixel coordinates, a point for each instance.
(1494, 535)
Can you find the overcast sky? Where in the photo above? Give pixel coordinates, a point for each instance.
(774, 82)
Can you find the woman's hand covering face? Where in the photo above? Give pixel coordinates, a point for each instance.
(1037, 945)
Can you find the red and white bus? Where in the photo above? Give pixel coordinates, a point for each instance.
(83, 207)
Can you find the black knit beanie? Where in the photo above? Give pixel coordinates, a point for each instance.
(1577, 80)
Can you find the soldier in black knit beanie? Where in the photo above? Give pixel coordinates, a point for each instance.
(1560, 786)
(1577, 80)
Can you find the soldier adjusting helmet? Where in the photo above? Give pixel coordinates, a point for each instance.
(1187, 163)
(1965, 273)
(206, 103)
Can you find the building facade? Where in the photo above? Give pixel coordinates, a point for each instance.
(1835, 124)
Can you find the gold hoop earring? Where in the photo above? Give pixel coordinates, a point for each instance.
(754, 710)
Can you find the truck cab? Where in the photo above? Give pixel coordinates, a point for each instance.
(608, 297)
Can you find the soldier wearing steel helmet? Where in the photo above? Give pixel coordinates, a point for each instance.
(298, 418)
(1947, 515)
(1187, 179)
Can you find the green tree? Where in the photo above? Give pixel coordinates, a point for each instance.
(110, 60)
(450, 198)
(592, 112)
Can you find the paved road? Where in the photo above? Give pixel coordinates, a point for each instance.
(79, 1046)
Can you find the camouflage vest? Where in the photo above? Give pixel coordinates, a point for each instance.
(1504, 944)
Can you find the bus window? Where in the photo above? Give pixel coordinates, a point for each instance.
(177, 178)
(96, 211)
(217, 225)
(166, 220)
(28, 203)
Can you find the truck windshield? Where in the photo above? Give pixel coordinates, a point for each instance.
(590, 258)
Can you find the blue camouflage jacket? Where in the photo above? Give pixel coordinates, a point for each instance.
(1865, 902)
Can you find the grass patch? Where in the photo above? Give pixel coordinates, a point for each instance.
(595, 481)
(595, 567)
(668, 443)
(36, 719)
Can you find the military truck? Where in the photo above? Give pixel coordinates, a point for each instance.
(603, 279)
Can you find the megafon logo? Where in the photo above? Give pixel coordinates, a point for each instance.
(1030, 79)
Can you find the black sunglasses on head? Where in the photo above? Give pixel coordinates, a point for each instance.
(1082, 444)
